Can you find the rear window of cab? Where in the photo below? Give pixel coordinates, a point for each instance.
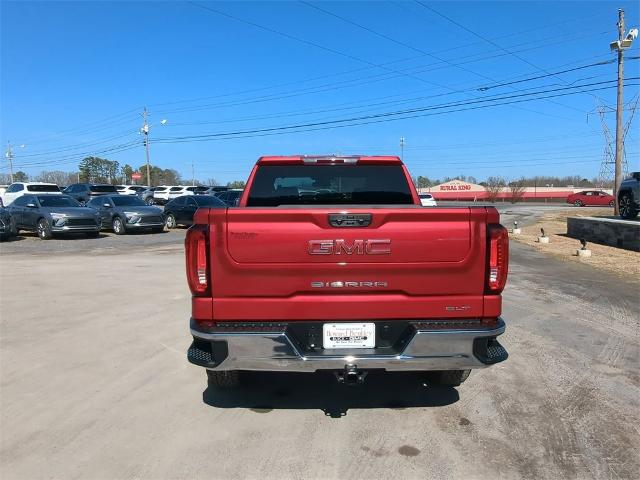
(275, 185)
(42, 188)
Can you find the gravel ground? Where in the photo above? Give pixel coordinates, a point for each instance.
(618, 261)
(94, 383)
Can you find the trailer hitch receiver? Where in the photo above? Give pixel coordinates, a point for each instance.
(351, 375)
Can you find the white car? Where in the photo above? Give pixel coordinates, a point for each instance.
(130, 189)
(179, 190)
(427, 200)
(161, 195)
(17, 189)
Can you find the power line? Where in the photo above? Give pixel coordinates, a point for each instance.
(408, 111)
(519, 33)
(84, 128)
(398, 42)
(78, 146)
(550, 74)
(356, 106)
(308, 42)
(482, 37)
(337, 85)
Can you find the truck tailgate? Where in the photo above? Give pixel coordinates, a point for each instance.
(298, 264)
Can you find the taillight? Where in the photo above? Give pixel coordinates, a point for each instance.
(498, 258)
(197, 255)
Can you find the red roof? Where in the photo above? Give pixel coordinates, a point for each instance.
(329, 159)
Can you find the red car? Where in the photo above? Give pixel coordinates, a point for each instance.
(331, 263)
(591, 198)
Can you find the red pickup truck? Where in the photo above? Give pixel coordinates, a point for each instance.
(331, 263)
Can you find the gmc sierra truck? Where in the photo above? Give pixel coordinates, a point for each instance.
(331, 263)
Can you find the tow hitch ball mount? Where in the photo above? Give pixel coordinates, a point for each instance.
(351, 375)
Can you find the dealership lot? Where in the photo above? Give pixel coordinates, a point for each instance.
(95, 383)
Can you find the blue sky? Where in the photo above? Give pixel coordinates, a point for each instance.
(75, 76)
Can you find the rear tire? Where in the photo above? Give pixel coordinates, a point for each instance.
(223, 379)
(118, 226)
(578, 203)
(171, 221)
(627, 207)
(451, 378)
(44, 229)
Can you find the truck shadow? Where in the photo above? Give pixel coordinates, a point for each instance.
(265, 392)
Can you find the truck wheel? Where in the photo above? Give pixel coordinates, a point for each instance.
(44, 229)
(626, 207)
(171, 221)
(223, 378)
(118, 226)
(451, 378)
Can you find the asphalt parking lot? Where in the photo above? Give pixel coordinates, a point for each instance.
(94, 381)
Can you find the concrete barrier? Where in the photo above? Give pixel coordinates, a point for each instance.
(606, 231)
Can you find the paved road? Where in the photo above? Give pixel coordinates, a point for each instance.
(94, 384)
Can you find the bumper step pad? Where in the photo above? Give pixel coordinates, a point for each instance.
(199, 356)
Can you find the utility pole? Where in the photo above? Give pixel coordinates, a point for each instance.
(9, 156)
(402, 148)
(619, 111)
(145, 131)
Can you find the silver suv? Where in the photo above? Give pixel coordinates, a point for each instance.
(629, 196)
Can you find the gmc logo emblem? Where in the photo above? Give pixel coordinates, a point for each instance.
(377, 246)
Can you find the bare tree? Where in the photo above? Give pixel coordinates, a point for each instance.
(212, 182)
(58, 177)
(494, 186)
(517, 188)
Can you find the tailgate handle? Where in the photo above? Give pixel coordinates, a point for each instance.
(350, 220)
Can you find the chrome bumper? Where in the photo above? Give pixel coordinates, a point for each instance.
(427, 350)
(75, 228)
(133, 226)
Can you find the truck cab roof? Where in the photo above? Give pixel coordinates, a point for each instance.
(329, 159)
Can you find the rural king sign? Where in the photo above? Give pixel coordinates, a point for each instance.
(455, 187)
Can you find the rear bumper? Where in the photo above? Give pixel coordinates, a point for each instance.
(440, 349)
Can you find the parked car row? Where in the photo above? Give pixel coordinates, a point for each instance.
(85, 192)
(48, 214)
(89, 208)
(163, 194)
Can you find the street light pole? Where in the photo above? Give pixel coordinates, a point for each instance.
(145, 131)
(620, 45)
(9, 156)
(619, 111)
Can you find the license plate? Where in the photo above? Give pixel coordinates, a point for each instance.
(349, 335)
